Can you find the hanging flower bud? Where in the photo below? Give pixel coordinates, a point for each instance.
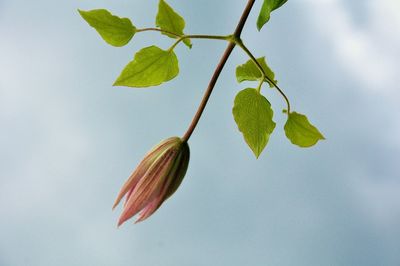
(155, 179)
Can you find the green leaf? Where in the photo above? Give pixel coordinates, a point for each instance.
(168, 20)
(114, 30)
(253, 115)
(300, 131)
(250, 72)
(266, 9)
(150, 67)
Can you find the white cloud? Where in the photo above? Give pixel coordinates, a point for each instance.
(366, 50)
(369, 52)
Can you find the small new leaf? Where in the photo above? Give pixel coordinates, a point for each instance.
(250, 72)
(168, 20)
(150, 67)
(266, 9)
(253, 115)
(114, 30)
(300, 131)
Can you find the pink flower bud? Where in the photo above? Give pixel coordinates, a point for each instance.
(155, 179)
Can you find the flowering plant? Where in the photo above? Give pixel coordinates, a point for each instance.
(161, 171)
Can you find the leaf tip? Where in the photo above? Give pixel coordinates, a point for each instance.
(116, 83)
(81, 12)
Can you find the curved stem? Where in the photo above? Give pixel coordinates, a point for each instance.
(247, 51)
(219, 69)
(260, 85)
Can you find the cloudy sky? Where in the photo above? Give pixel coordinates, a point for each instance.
(69, 139)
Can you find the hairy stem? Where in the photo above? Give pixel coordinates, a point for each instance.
(252, 57)
(218, 70)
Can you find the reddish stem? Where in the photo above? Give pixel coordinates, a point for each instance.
(218, 70)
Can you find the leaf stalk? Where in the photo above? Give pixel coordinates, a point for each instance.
(234, 39)
(200, 36)
(264, 75)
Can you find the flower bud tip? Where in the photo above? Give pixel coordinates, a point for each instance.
(155, 179)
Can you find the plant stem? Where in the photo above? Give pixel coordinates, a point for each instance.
(218, 70)
(260, 85)
(159, 30)
(199, 36)
(182, 37)
(247, 51)
(236, 40)
(209, 90)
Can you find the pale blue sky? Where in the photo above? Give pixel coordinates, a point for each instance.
(69, 139)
